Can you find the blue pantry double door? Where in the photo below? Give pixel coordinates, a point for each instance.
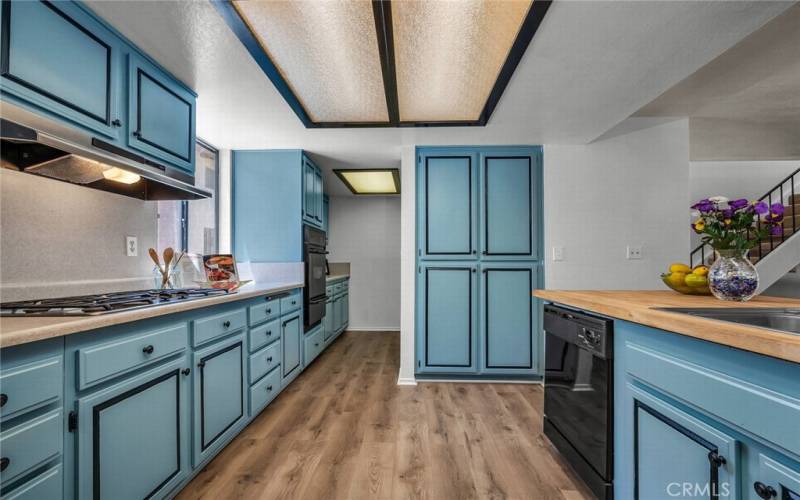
(479, 212)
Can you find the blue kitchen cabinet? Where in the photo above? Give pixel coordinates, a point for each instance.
(161, 114)
(292, 341)
(345, 309)
(219, 395)
(328, 323)
(326, 205)
(312, 194)
(510, 319)
(61, 60)
(447, 191)
(510, 202)
(133, 437)
(448, 317)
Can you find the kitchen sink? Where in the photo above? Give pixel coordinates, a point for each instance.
(784, 320)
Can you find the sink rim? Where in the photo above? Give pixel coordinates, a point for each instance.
(727, 315)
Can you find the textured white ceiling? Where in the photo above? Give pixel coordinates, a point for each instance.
(591, 65)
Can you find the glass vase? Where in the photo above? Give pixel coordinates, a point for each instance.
(732, 276)
(171, 281)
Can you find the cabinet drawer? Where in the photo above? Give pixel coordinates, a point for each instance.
(338, 288)
(30, 386)
(104, 361)
(269, 309)
(291, 303)
(329, 290)
(264, 391)
(264, 334)
(48, 484)
(315, 342)
(264, 361)
(211, 327)
(29, 444)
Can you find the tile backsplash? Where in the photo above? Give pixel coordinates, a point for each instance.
(61, 239)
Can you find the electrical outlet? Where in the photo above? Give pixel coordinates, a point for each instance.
(634, 252)
(558, 253)
(131, 246)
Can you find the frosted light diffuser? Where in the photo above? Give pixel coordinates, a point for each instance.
(448, 54)
(119, 175)
(379, 181)
(326, 51)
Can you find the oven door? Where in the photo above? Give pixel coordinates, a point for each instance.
(576, 400)
(315, 274)
(315, 311)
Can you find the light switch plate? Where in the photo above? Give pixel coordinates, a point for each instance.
(558, 253)
(132, 246)
(634, 252)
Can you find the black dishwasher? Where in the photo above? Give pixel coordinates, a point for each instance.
(578, 393)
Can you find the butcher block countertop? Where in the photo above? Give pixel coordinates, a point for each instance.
(22, 330)
(641, 307)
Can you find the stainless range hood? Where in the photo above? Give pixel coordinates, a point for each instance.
(36, 145)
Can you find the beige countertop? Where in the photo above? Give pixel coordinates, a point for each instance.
(639, 307)
(15, 331)
(334, 277)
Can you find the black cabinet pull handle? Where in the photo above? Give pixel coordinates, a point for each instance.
(474, 271)
(116, 123)
(186, 371)
(269, 359)
(3, 400)
(316, 344)
(201, 364)
(137, 134)
(226, 324)
(715, 459)
(294, 302)
(269, 333)
(474, 252)
(269, 311)
(764, 491)
(269, 388)
(148, 349)
(4, 462)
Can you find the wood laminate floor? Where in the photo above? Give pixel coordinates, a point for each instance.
(345, 430)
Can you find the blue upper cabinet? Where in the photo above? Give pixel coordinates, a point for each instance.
(60, 59)
(447, 205)
(509, 204)
(161, 114)
(312, 194)
(326, 206)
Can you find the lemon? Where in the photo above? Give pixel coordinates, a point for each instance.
(696, 280)
(680, 268)
(700, 270)
(677, 279)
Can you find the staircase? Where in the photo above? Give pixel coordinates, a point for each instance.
(777, 255)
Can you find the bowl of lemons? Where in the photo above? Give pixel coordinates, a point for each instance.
(684, 279)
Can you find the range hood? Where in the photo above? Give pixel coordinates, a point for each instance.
(36, 145)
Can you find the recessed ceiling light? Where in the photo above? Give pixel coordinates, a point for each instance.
(371, 181)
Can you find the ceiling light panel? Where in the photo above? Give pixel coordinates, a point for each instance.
(383, 181)
(327, 51)
(448, 54)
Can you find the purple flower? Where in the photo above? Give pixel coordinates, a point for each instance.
(704, 206)
(738, 204)
(760, 207)
(727, 213)
(777, 209)
(776, 230)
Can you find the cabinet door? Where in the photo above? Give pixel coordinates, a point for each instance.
(133, 437)
(219, 395)
(309, 200)
(161, 115)
(509, 318)
(776, 480)
(673, 449)
(325, 212)
(447, 318)
(291, 336)
(318, 202)
(509, 202)
(447, 216)
(337, 314)
(345, 310)
(327, 321)
(58, 58)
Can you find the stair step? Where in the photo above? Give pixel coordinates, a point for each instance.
(795, 198)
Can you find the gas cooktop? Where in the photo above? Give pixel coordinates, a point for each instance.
(105, 303)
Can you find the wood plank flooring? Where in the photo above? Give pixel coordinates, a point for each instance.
(345, 430)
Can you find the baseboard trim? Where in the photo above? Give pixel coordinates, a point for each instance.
(406, 381)
(375, 329)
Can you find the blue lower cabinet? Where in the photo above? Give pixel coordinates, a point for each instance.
(264, 391)
(314, 344)
(46, 485)
(30, 444)
(291, 338)
(345, 310)
(219, 395)
(447, 329)
(133, 437)
(776, 479)
(509, 318)
(328, 329)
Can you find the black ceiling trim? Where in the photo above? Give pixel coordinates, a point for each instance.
(382, 10)
(529, 26)
(382, 13)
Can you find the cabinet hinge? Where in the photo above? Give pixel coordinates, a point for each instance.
(72, 421)
(419, 270)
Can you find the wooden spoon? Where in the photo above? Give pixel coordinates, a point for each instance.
(154, 256)
(169, 253)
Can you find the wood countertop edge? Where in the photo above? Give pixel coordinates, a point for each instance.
(25, 330)
(620, 305)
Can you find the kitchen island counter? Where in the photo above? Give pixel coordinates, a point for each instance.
(642, 307)
(22, 330)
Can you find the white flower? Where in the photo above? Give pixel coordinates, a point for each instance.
(718, 199)
(695, 213)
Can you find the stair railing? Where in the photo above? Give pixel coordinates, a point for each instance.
(704, 253)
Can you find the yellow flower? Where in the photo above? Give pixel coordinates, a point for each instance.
(727, 222)
(699, 225)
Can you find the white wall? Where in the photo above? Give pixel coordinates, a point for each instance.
(631, 188)
(365, 231)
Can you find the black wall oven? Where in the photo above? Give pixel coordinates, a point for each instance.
(578, 394)
(314, 292)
